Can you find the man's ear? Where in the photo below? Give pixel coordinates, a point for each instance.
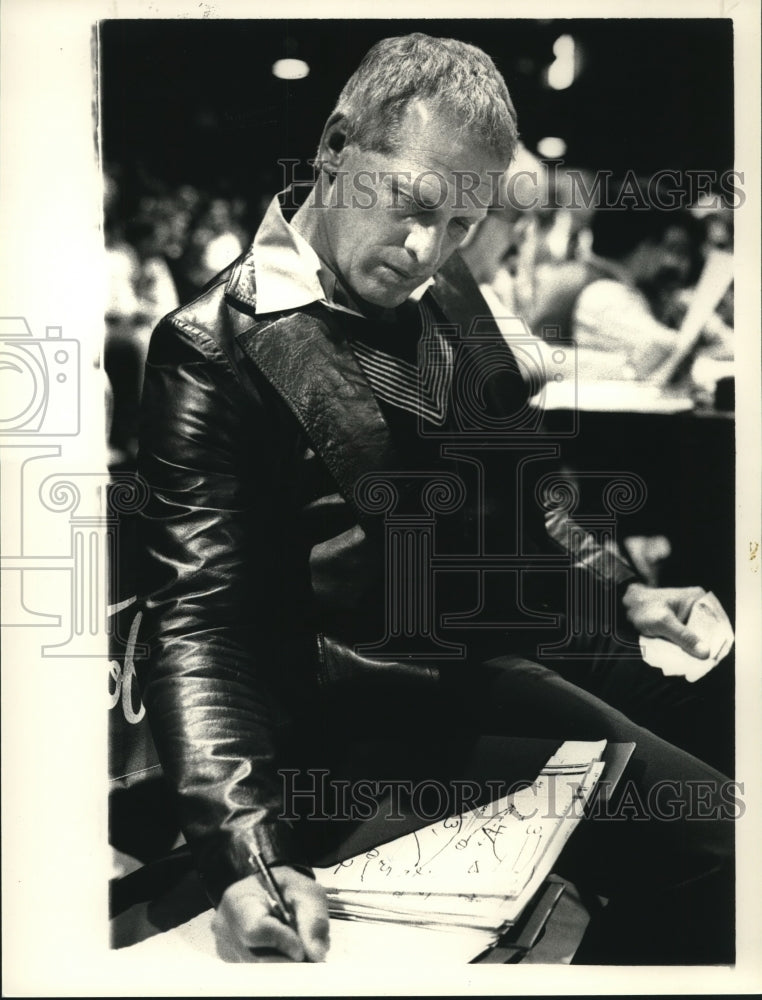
(332, 143)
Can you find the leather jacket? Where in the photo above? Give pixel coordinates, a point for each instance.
(260, 561)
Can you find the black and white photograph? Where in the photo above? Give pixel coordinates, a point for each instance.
(381, 499)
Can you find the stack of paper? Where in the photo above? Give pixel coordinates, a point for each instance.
(475, 872)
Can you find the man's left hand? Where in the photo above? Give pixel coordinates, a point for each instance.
(662, 613)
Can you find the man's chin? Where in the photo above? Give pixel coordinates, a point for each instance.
(383, 298)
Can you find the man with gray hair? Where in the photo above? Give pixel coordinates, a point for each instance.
(336, 410)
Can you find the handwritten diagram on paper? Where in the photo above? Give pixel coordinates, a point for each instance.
(490, 850)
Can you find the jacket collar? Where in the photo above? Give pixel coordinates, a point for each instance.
(306, 356)
(307, 359)
(290, 274)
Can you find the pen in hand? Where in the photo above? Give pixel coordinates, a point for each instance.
(274, 895)
(259, 918)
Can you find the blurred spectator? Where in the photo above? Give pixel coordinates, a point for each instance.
(563, 216)
(152, 280)
(120, 359)
(141, 290)
(162, 247)
(620, 303)
(640, 258)
(216, 240)
(500, 253)
(717, 218)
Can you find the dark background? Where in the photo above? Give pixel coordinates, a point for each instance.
(196, 102)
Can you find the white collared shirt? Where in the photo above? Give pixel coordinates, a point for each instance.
(613, 316)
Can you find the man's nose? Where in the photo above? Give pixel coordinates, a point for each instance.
(424, 242)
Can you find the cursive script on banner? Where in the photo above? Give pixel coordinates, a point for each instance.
(123, 677)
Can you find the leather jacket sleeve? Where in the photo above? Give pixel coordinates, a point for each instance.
(205, 679)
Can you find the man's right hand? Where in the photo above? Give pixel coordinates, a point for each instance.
(245, 921)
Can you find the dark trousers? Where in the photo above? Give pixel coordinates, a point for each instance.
(698, 717)
(661, 852)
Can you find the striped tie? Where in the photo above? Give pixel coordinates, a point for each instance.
(422, 389)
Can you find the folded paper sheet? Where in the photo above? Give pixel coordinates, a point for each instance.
(708, 620)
